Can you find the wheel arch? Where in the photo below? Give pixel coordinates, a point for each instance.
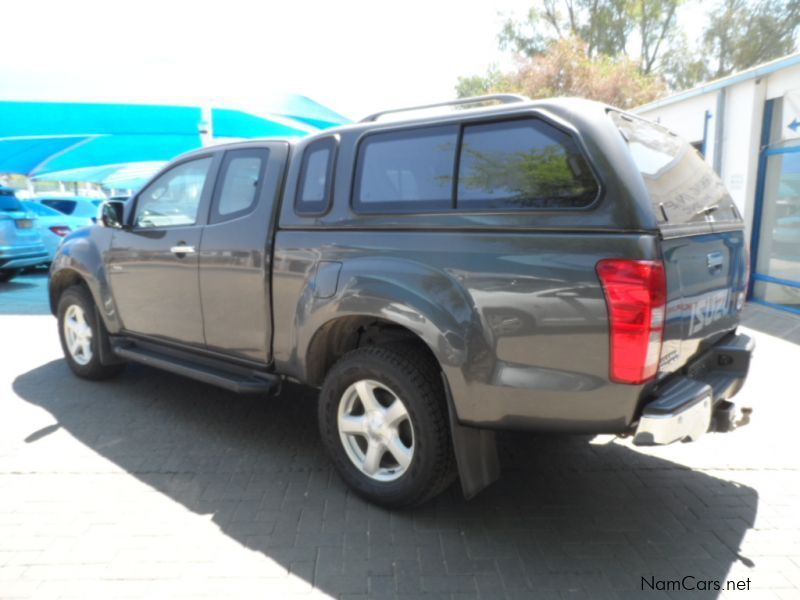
(59, 282)
(339, 335)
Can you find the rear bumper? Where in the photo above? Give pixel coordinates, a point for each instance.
(17, 257)
(684, 405)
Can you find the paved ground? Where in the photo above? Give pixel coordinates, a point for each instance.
(153, 486)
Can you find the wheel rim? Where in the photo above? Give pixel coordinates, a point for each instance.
(78, 335)
(376, 430)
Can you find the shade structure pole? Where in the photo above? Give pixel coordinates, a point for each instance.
(205, 127)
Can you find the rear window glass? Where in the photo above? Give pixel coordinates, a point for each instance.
(63, 206)
(39, 209)
(410, 169)
(683, 188)
(522, 164)
(9, 202)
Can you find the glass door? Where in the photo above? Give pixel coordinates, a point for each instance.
(776, 280)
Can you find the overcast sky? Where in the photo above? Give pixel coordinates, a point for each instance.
(353, 56)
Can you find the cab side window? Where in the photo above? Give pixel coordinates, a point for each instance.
(173, 199)
(239, 183)
(316, 174)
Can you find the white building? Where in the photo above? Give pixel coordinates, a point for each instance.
(747, 126)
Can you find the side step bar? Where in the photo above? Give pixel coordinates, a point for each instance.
(244, 381)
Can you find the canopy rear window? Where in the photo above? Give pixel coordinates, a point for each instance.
(684, 189)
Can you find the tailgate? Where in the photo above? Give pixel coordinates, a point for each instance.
(705, 292)
(702, 239)
(18, 228)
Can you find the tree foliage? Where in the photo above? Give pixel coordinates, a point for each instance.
(565, 69)
(627, 52)
(609, 28)
(741, 34)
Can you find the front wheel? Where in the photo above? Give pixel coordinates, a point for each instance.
(81, 334)
(383, 420)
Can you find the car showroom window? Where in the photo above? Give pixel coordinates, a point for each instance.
(241, 174)
(406, 170)
(522, 164)
(174, 198)
(316, 173)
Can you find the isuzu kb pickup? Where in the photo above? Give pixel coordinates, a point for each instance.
(547, 266)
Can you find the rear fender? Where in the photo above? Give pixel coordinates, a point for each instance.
(427, 302)
(432, 305)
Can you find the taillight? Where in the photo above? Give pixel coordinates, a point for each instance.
(60, 230)
(636, 294)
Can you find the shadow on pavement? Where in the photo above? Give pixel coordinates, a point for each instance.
(566, 514)
(17, 284)
(25, 295)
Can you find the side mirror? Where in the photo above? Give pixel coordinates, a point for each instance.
(113, 214)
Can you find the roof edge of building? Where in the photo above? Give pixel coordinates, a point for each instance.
(724, 82)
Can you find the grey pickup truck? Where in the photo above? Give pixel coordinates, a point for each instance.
(547, 266)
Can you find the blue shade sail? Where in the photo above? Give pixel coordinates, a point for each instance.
(68, 140)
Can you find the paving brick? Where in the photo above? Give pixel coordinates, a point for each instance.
(154, 486)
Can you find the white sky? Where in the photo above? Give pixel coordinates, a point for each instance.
(353, 56)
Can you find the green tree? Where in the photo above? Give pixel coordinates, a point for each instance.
(495, 81)
(564, 68)
(640, 29)
(616, 35)
(743, 33)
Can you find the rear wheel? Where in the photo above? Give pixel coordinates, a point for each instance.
(81, 335)
(8, 274)
(383, 420)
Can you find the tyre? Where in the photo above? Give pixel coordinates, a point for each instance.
(81, 335)
(7, 275)
(383, 420)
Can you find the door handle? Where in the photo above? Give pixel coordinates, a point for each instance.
(714, 261)
(182, 250)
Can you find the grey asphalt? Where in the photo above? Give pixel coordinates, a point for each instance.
(154, 486)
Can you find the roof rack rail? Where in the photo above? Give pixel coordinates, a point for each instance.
(501, 98)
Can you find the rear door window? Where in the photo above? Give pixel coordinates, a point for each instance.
(684, 189)
(522, 164)
(410, 170)
(239, 183)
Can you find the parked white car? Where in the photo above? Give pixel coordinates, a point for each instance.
(52, 225)
(20, 242)
(73, 206)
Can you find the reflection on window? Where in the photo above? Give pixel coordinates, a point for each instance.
(683, 188)
(407, 167)
(522, 164)
(239, 185)
(174, 198)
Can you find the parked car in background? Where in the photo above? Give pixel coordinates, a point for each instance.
(52, 225)
(20, 241)
(73, 206)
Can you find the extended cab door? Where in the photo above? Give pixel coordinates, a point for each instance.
(153, 263)
(236, 252)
